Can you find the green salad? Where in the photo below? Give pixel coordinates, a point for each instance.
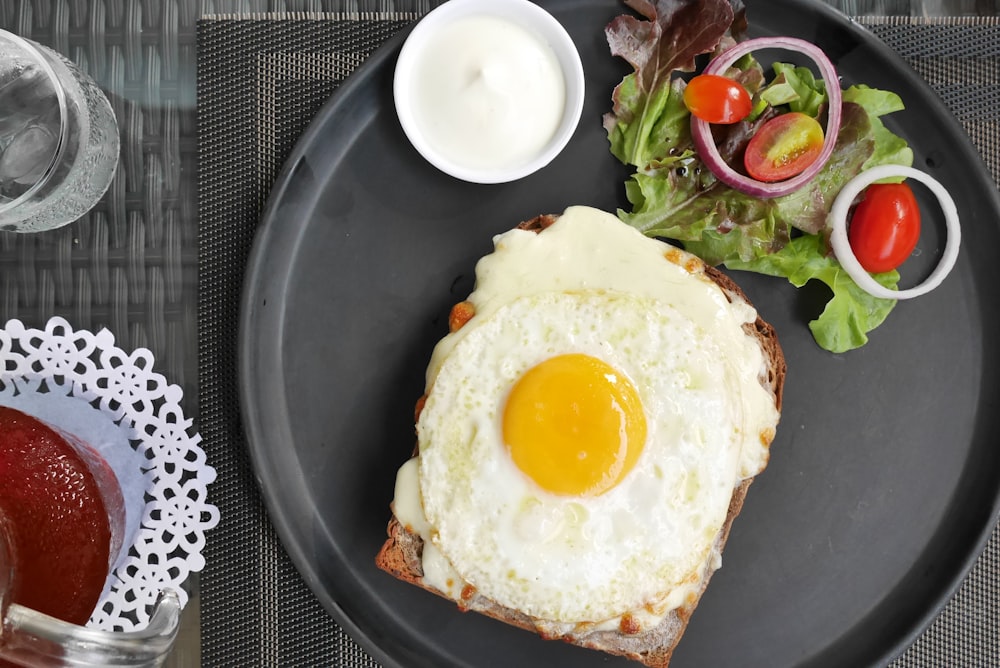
(674, 193)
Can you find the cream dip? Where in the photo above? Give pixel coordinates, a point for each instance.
(487, 92)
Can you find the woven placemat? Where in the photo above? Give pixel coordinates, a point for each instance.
(259, 84)
(260, 80)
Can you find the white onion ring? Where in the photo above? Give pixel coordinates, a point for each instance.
(842, 246)
(701, 131)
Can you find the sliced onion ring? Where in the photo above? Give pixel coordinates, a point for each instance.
(701, 132)
(842, 247)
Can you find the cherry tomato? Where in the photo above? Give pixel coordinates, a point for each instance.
(885, 226)
(783, 147)
(717, 99)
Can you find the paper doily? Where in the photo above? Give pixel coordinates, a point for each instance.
(173, 515)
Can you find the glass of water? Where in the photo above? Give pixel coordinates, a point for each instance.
(59, 140)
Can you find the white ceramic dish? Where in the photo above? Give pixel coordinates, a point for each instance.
(524, 14)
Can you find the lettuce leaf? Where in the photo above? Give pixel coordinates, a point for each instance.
(850, 314)
(675, 196)
(796, 87)
(675, 33)
(889, 148)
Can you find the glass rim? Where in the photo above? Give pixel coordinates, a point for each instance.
(40, 58)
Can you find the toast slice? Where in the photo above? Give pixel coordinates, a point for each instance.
(401, 554)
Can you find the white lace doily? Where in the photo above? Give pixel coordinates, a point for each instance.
(173, 514)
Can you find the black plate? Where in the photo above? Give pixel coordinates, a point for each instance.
(883, 484)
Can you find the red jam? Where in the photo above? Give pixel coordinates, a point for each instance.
(64, 516)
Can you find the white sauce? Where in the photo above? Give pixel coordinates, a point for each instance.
(488, 93)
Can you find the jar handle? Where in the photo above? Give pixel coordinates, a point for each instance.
(30, 638)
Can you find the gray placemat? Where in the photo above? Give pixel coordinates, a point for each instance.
(259, 84)
(260, 81)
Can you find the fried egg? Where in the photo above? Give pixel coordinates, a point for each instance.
(583, 432)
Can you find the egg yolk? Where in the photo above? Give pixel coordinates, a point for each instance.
(575, 425)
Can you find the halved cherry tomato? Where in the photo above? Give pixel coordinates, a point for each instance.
(717, 99)
(783, 147)
(885, 226)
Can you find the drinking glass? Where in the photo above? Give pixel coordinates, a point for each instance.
(59, 140)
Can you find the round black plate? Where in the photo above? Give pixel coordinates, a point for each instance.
(884, 478)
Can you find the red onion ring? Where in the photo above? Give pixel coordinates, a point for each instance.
(842, 246)
(701, 131)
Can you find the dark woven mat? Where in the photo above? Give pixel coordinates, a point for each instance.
(260, 81)
(255, 608)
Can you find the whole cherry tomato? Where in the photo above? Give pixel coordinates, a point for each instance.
(783, 147)
(717, 99)
(885, 226)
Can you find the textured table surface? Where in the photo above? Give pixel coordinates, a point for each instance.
(133, 265)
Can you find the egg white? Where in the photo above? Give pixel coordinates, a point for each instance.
(579, 558)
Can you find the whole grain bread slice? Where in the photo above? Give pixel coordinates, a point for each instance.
(402, 552)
